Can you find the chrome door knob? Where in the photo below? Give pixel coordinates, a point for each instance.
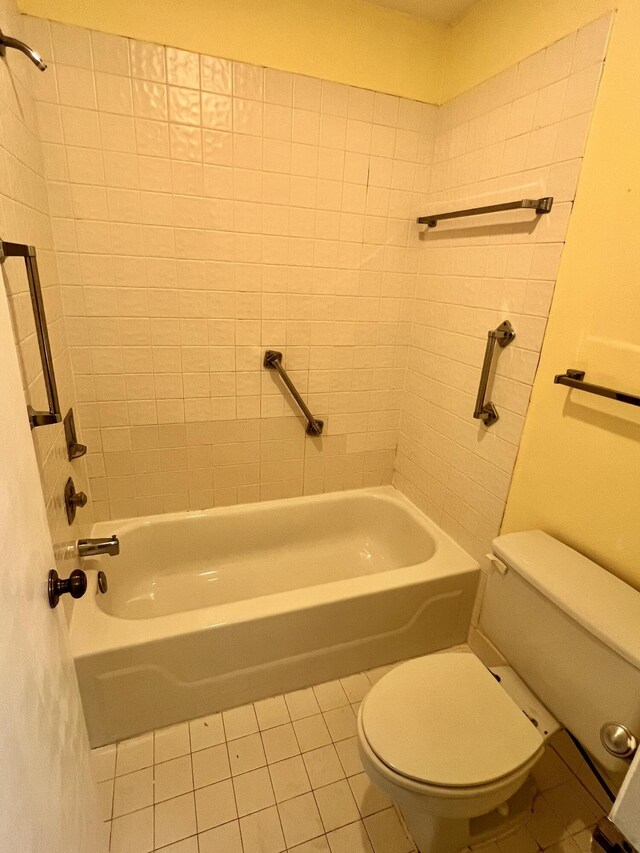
(618, 740)
(75, 585)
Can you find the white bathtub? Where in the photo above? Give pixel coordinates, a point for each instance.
(209, 610)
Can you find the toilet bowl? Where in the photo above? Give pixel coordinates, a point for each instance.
(447, 744)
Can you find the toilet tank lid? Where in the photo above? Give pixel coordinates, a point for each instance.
(603, 604)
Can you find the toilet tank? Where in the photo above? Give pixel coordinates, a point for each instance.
(571, 630)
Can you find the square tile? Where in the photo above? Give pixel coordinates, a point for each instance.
(133, 791)
(246, 753)
(175, 819)
(369, 798)
(262, 832)
(172, 778)
(330, 695)
(349, 756)
(206, 731)
(103, 762)
(239, 722)
(350, 839)
(210, 765)
(387, 834)
(253, 791)
(271, 712)
(172, 742)
(341, 722)
(134, 754)
(133, 833)
(289, 778)
(323, 766)
(105, 799)
(356, 686)
(336, 804)
(519, 841)
(215, 805)
(300, 819)
(280, 743)
(312, 732)
(302, 703)
(222, 838)
(316, 845)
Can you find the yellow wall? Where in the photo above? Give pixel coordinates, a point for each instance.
(349, 41)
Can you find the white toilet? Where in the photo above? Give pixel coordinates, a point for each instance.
(443, 737)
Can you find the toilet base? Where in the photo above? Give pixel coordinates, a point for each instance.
(433, 834)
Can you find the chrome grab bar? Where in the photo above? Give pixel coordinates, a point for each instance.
(273, 361)
(20, 250)
(540, 205)
(575, 379)
(503, 335)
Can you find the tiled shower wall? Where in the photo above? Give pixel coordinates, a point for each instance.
(519, 135)
(203, 211)
(24, 218)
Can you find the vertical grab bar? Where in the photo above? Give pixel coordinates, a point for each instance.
(273, 361)
(503, 335)
(20, 250)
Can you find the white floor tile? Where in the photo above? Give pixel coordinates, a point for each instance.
(349, 757)
(336, 804)
(312, 732)
(300, 819)
(544, 825)
(302, 703)
(187, 845)
(215, 805)
(246, 753)
(206, 731)
(133, 833)
(316, 845)
(171, 742)
(280, 743)
(172, 778)
(369, 798)
(134, 754)
(341, 723)
(374, 675)
(133, 791)
(356, 686)
(271, 712)
(210, 765)
(253, 791)
(323, 766)
(387, 834)
(261, 832)
(289, 778)
(175, 819)
(573, 806)
(520, 841)
(222, 839)
(583, 839)
(550, 770)
(103, 762)
(567, 845)
(239, 722)
(105, 799)
(330, 695)
(350, 839)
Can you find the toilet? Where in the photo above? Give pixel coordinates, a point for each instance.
(453, 742)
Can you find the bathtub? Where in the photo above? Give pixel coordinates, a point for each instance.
(213, 609)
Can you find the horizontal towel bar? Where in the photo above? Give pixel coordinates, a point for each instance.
(540, 205)
(575, 379)
(20, 250)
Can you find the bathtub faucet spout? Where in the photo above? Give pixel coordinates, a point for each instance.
(95, 547)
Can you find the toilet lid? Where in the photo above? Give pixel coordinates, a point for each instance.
(444, 720)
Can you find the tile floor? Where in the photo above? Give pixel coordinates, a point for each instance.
(283, 774)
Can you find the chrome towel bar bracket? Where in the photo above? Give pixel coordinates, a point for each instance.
(575, 379)
(540, 205)
(20, 250)
(273, 361)
(503, 335)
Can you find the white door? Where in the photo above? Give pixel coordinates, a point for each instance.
(47, 798)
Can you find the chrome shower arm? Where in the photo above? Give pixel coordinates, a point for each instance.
(8, 41)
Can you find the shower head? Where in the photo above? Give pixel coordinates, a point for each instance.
(7, 41)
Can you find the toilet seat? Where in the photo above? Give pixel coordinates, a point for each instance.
(443, 720)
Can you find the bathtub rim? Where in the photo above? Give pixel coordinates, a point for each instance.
(93, 631)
